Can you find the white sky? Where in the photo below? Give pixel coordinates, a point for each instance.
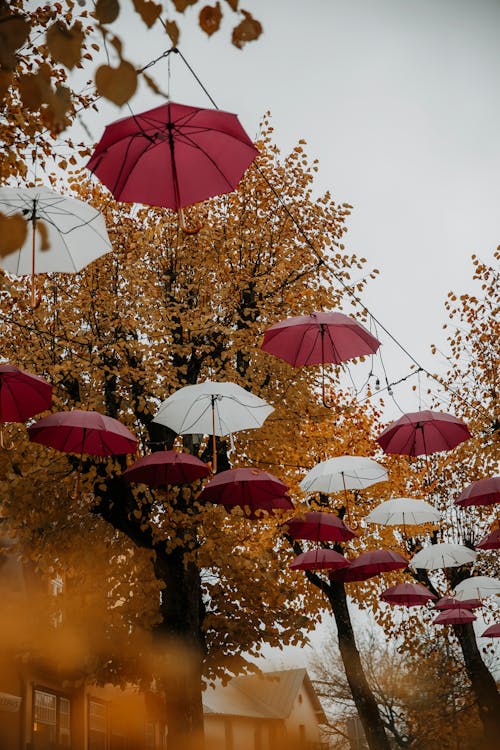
(398, 99)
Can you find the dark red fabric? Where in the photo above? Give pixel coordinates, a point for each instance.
(22, 395)
(423, 432)
(454, 617)
(80, 432)
(319, 559)
(254, 489)
(483, 492)
(492, 632)
(166, 467)
(448, 602)
(370, 564)
(490, 541)
(173, 155)
(319, 527)
(407, 594)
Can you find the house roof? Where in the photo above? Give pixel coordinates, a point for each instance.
(267, 695)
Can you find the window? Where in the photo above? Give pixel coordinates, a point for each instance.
(98, 725)
(51, 721)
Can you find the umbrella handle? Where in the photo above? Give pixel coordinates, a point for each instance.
(327, 404)
(184, 227)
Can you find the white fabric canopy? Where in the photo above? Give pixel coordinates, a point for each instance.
(343, 472)
(444, 555)
(403, 511)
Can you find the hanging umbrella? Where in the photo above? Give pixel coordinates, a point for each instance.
(370, 564)
(490, 541)
(254, 489)
(423, 432)
(482, 492)
(22, 395)
(492, 632)
(448, 602)
(444, 555)
(81, 432)
(343, 473)
(319, 338)
(454, 617)
(407, 594)
(319, 559)
(477, 587)
(212, 409)
(66, 234)
(166, 467)
(317, 526)
(173, 156)
(403, 511)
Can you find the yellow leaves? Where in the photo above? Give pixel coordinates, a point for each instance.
(210, 18)
(247, 31)
(148, 11)
(107, 11)
(173, 32)
(65, 44)
(116, 84)
(181, 5)
(13, 232)
(14, 30)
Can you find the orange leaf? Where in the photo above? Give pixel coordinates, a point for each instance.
(246, 31)
(233, 4)
(181, 5)
(65, 45)
(116, 84)
(173, 31)
(210, 18)
(13, 232)
(148, 11)
(106, 11)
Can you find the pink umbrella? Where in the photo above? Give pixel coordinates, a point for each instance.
(370, 564)
(319, 338)
(22, 395)
(454, 617)
(482, 492)
(407, 594)
(319, 527)
(423, 432)
(166, 467)
(81, 432)
(448, 602)
(319, 559)
(254, 489)
(491, 541)
(492, 632)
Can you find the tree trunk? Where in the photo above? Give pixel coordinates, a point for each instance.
(483, 685)
(363, 697)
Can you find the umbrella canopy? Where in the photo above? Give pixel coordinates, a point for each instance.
(317, 526)
(443, 556)
(166, 467)
(492, 632)
(423, 432)
(477, 587)
(254, 489)
(490, 541)
(172, 156)
(370, 564)
(448, 602)
(319, 338)
(81, 432)
(22, 395)
(343, 473)
(482, 492)
(407, 594)
(319, 559)
(454, 617)
(403, 511)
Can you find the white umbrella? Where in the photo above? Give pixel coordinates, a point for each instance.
(477, 587)
(212, 409)
(403, 511)
(343, 473)
(442, 556)
(66, 234)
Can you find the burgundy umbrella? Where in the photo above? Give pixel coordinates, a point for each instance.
(254, 489)
(319, 527)
(491, 541)
(370, 564)
(423, 432)
(166, 467)
(407, 594)
(454, 617)
(319, 559)
(319, 338)
(482, 492)
(22, 395)
(492, 632)
(81, 432)
(174, 155)
(448, 602)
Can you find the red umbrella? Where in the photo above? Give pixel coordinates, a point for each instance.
(22, 395)
(423, 432)
(319, 559)
(173, 156)
(319, 338)
(254, 489)
(491, 541)
(319, 527)
(81, 432)
(407, 594)
(454, 617)
(492, 632)
(448, 602)
(370, 564)
(482, 492)
(166, 467)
